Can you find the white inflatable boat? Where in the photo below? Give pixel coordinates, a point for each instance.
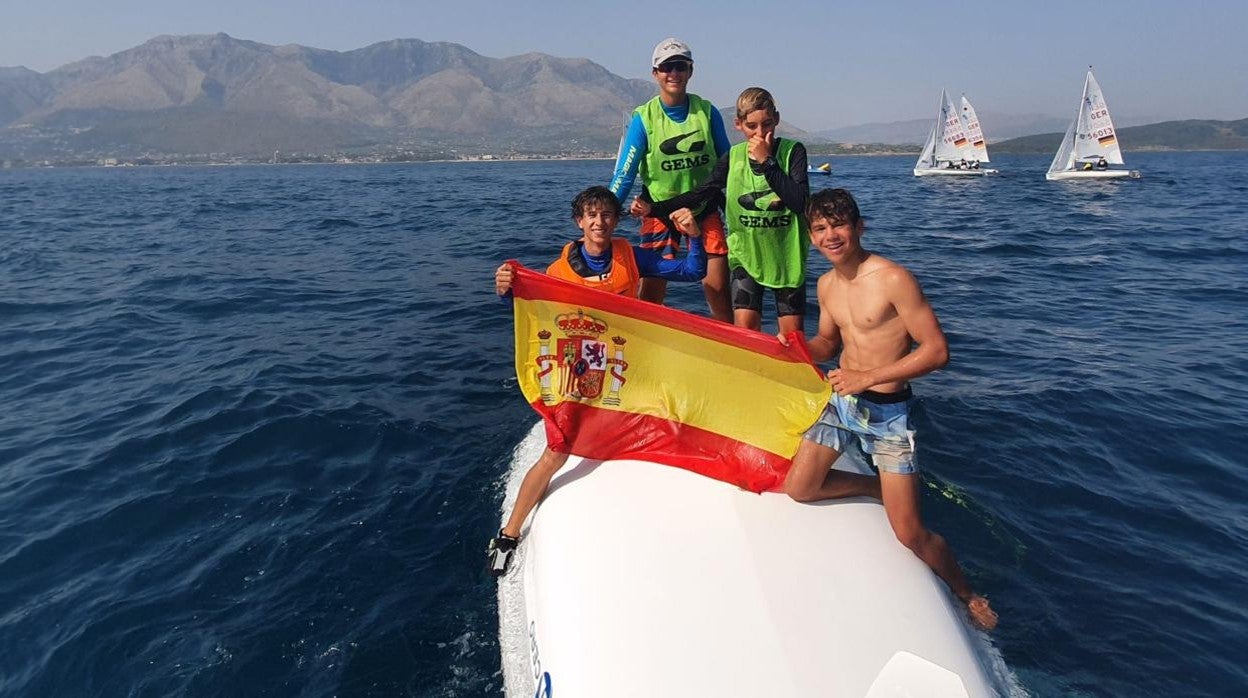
(638, 579)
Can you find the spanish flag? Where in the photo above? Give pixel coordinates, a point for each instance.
(618, 378)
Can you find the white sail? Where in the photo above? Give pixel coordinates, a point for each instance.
(927, 159)
(951, 142)
(974, 133)
(1095, 136)
(1089, 139)
(1064, 159)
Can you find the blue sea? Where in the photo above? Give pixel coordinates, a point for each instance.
(256, 421)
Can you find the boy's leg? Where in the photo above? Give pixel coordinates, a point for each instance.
(532, 489)
(652, 289)
(789, 323)
(790, 309)
(715, 288)
(901, 504)
(747, 299)
(749, 319)
(811, 477)
(655, 236)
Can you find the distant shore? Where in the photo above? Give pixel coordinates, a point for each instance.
(119, 163)
(241, 162)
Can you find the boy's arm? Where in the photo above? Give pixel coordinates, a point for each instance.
(719, 134)
(793, 187)
(827, 340)
(633, 149)
(691, 268)
(924, 329)
(704, 192)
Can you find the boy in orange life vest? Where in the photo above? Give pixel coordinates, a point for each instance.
(599, 261)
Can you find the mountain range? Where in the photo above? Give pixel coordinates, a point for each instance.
(214, 95)
(998, 127)
(914, 131)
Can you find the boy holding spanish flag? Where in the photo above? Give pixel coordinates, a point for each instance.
(597, 260)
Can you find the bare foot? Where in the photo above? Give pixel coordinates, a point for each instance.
(981, 614)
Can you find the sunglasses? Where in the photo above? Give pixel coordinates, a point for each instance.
(675, 66)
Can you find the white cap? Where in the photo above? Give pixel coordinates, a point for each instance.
(670, 48)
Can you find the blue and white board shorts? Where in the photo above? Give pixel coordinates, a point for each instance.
(879, 421)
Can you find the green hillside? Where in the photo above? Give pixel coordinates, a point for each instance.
(1192, 134)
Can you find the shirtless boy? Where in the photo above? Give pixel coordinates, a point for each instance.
(873, 312)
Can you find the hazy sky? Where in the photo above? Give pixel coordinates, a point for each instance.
(829, 63)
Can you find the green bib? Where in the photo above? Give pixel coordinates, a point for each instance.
(764, 236)
(678, 156)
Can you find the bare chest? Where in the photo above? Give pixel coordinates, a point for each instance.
(862, 308)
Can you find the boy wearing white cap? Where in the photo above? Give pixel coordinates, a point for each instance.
(673, 142)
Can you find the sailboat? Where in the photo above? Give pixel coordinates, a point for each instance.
(974, 133)
(1090, 147)
(948, 150)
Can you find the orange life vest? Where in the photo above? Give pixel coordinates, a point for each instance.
(621, 277)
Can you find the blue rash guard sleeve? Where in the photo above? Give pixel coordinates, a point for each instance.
(691, 268)
(636, 144)
(719, 135)
(651, 263)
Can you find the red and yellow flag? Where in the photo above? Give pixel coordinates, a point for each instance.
(617, 378)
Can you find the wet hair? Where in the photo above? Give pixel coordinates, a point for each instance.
(599, 195)
(835, 205)
(753, 99)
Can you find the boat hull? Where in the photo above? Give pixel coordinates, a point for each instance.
(644, 579)
(944, 172)
(1092, 174)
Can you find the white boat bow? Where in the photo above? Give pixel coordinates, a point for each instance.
(954, 172)
(1092, 174)
(643, 579)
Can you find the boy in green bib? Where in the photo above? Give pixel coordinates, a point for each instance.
(766, 192)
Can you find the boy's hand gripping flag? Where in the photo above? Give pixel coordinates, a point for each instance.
(618, 378)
